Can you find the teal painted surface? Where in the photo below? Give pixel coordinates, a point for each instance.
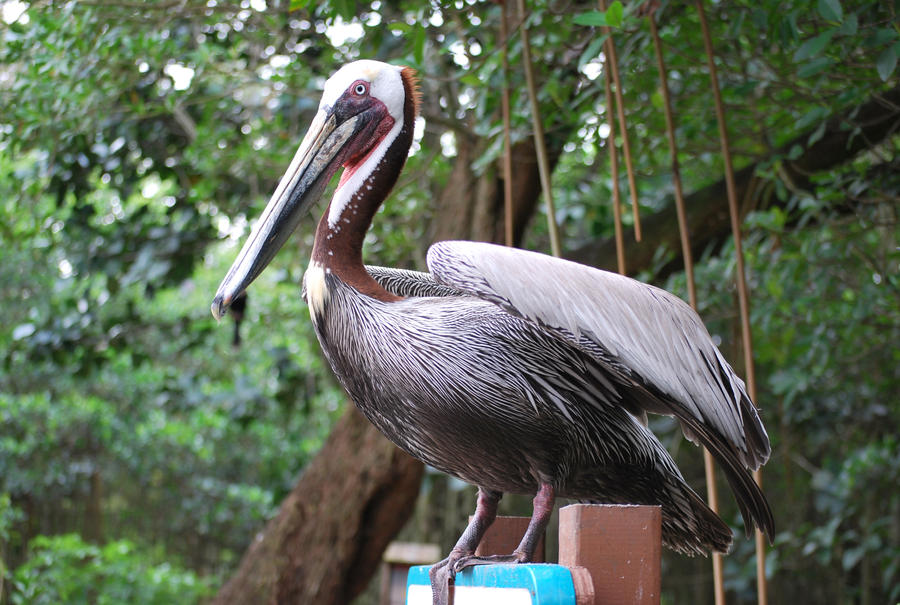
(549, 584)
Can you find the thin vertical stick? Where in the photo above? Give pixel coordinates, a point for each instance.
(676, 169)
(712, 495)
(540, 146)
(612, 64)
(743, 299)
(507, 144)
(614, 170)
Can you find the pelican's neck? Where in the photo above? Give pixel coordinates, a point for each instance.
(339, 242)
(343, 226)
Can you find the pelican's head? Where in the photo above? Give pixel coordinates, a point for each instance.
(361, 112)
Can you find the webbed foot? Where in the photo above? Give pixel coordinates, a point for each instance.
(473, 560)
(443, 574)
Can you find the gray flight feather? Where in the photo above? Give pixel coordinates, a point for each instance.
(654, 334)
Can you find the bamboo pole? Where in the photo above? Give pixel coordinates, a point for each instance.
(612, 63)
(676, 168)
(539, 144)
(508, 218)
(614, 171)
(743, 298)
(712, 494)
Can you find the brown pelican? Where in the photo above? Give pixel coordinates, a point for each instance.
(512, 370)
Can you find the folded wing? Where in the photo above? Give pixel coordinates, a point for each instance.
(645, 331)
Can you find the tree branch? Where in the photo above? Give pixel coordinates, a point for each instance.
(847, 134)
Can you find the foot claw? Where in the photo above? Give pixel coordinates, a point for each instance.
(443, 574)
(473, 560)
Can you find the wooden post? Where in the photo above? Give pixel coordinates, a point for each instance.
(619, 545)
(396, 561)
(608, 554)
(504, 535)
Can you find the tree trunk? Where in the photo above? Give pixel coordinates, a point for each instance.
(471, 207)
(327, 539)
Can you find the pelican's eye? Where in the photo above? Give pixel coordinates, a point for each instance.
(360, 89)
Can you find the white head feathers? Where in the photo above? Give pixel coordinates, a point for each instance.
(386, 85)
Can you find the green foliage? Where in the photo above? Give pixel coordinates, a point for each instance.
(826, 320)
(66, 569)
(137, 139)
(831, 10)
(9, 518)
(48, 447)
(611, 17)
(831, 321)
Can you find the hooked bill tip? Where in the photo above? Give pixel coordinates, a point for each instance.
(219, 306)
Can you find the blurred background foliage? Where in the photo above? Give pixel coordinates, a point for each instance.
(140, 451)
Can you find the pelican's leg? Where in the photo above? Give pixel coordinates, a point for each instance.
(524, 553)
(442, 573)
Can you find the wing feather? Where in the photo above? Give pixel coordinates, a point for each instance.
(403, 282)
(646, 331)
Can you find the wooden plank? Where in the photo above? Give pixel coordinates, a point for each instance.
(503, 537)
(396, 561)
(411, 553)
(619, 545)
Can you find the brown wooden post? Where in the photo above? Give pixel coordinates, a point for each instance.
(504, 535)
(620, 546)
(397, 560)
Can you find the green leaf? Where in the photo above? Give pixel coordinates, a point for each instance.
(811, 117)
(813, 46)
(850, 25)
(852, 556)
(882, 36)
(615, 14)
(298, 5)
(886, 63)
(831, 10)
(399, 26)
(790, 32)
(593, 18)
(818, 134)
(817, 65)
(419, 44)
(471, 79)
(592, 51)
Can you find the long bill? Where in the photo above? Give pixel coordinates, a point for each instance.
(315, 162)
